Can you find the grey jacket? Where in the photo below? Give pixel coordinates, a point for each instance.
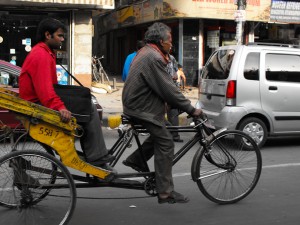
(149, 86)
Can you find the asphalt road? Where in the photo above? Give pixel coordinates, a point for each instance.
(275, 200)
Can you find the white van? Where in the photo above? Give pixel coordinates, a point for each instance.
(254, 88)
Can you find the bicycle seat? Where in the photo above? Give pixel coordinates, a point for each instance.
(130, 120)
(126, 119)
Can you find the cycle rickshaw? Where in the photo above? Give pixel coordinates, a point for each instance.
(37, 187)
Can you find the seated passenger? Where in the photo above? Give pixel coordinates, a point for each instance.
(38, 75)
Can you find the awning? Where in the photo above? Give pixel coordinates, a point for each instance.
(87, 4)
(9, 68)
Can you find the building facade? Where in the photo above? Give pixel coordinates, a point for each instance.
(19, 20)
(198, 28)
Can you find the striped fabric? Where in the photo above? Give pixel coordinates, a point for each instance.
(9, 68)
(42, 1)
(87, 2)
(91, 2)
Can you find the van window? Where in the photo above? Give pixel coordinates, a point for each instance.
(251, 69)
(219, 64)
(281, 67)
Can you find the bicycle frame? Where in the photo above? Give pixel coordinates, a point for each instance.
(119, 148)
(136, 130)
(133, 133)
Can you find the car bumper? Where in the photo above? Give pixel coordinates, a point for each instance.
(229, 117)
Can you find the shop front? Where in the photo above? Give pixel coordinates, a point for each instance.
(18, 24)
(18, 31)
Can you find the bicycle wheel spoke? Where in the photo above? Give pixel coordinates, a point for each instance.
(228, 171)
(5, 141)
(27, 196)
(8, 138)
(210, 173)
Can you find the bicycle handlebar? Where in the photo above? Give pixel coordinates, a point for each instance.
(203, 116)
(97, 58)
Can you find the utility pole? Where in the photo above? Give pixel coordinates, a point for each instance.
(240, 18)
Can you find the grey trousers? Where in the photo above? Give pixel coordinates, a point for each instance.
(92, 141)
(172, 115)
(160, 143)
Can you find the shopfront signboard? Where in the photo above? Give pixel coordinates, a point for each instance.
(125, 16)
(256, 10)
(152, 10)
(285, 11)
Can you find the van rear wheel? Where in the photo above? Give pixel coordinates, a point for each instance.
(256, 129)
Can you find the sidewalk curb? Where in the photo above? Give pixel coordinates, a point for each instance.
(113, 120)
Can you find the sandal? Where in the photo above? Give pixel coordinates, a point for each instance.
(174, 197)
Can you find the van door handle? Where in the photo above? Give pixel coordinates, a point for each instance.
(272, 88)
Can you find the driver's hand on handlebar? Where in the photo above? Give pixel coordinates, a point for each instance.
(65, 115)
(197, 113)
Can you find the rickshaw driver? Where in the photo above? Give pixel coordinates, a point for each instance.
(146, 90)
(36, 81)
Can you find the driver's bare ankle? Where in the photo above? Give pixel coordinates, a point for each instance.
(165, 195)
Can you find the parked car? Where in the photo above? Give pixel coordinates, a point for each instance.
(253, 88)
(7, 69)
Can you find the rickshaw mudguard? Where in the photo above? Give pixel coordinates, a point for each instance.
(45, 126)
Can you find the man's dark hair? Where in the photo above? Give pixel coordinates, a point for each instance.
(140, 44)
(51, 25)
(156, 32)
(179, 66)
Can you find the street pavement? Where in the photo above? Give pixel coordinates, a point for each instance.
(112, 103)
(274, 201)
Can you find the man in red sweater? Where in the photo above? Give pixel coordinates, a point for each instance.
(36, 81)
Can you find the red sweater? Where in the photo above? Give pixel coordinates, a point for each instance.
(37, 77)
